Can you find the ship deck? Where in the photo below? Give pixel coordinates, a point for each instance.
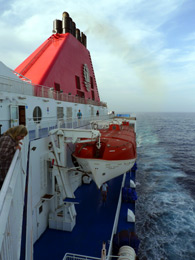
(94, 224)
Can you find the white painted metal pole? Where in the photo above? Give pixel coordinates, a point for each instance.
(103, 253)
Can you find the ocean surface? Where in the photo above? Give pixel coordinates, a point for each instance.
(165, 210)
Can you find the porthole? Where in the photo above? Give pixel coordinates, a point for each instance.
(37, 114)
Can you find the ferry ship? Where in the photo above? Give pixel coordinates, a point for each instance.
(50, 204)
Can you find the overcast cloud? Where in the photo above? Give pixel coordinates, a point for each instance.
(143, 52)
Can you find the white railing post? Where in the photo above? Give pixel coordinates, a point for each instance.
(103, 252)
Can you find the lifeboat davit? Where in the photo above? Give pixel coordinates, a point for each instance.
(112, 154)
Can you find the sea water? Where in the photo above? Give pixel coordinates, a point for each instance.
(165, 210)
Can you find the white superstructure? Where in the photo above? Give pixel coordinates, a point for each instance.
(49, 183)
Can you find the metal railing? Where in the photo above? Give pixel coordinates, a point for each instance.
(43, 91)
(69, 256)
(42, 127)
(11, 206)
(25, 87)
(114, 229)
(12, 85)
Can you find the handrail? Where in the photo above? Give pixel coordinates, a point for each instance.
(47, 92)
(44, 91)
(70, 256)
(11, 206)
(6, 194)
(14, 85)
(22, 77)
(52, 122)
(116, 219)
(3, 191)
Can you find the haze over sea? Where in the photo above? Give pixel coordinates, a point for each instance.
(165, 210)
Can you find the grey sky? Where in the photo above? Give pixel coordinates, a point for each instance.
(143, 52)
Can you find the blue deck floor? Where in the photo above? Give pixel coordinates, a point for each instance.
(93, 225)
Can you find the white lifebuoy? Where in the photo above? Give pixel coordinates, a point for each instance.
(126, 253)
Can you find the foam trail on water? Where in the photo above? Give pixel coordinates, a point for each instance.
(165, 211)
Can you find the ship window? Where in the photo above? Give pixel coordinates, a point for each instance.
(69, 114)
(14, 112)
(80, 94)
(91, 80)
(56, 86)
(92, 94)
(78, 85)
(60, 112)
(37, 114)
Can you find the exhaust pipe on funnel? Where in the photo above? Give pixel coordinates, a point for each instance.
(57, 26)
(65, 22)
(83, 39)
(73, 29)
(67, 25)
(78, 35)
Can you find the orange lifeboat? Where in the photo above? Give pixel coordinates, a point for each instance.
(110, 156)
